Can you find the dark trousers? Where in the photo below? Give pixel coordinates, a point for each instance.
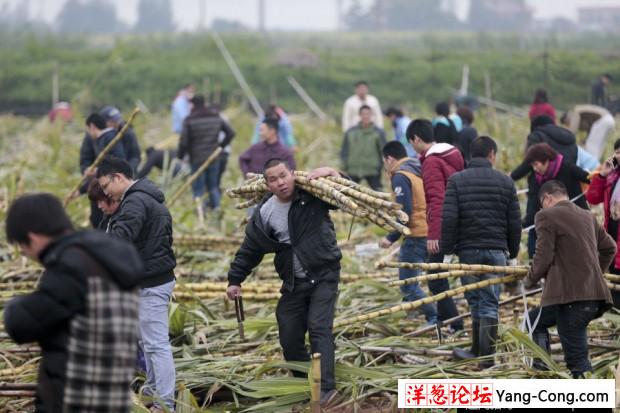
(310, 307)
(615, 294)
(374, 181)
(223, 162)
(531, 243)
(572, 320)
(445, 308)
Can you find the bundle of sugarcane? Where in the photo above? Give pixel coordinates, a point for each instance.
(263, 287)
(352, 198)
(206, 242)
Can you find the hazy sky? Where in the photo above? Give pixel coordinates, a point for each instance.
(285, 14)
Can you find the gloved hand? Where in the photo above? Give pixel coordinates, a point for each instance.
(447, 259)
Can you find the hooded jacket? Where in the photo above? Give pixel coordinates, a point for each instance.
(313, 240)
(90, 280)
(481, 211)
(144, 220)
(439, 163)
(408, 188)
(559, 138)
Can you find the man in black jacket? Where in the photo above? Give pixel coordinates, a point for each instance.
(297, 227)
(199, 138)
(143, 219)
(96, 138)
(482, 224)
(114, 120)
(83, 314)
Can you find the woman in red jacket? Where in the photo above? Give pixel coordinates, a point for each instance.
(604, 188)
(541, 106)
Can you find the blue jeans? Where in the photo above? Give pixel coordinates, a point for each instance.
(153, 334)
(208, 181)
(483, 302)
(414, 250)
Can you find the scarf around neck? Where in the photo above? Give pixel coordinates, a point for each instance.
(552, 170)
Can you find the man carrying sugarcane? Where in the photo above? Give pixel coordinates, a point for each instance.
(572, 252)
(406, 178)
(114, 120)
(481, 222)
(296, 226)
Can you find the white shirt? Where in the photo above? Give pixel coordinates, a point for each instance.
(351, 109)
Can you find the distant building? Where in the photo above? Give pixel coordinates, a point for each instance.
(599, 19)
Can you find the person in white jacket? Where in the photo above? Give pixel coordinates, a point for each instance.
(350, 111)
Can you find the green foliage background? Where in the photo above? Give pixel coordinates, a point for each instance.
(410, 69)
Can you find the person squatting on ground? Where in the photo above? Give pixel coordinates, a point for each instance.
(361, 150)
(439, 162)
(297, 227)
(406, 179)
(572, 253)
(143, 219)
(83, 314)
(199, 138)
(481, 223)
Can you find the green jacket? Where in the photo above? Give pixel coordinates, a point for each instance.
(361, 151)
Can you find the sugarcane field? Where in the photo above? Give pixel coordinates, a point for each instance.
(332, 206)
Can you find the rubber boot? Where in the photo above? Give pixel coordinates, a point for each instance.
(462, 354)
(542, 340)
(488, 337)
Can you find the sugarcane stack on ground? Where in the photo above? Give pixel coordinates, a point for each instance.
(354, 199)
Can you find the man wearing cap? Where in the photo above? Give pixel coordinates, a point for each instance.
(130, 143)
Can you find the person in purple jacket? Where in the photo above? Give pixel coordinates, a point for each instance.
(270, 147)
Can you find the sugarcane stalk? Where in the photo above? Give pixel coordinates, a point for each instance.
(315, 388)
(614, 287)
(612, 277)
(195, 175)
(452, 267)
(18, 386)
(430, 277)
(463, 316)
(103, 153)
(311, 185)
(349, 183)
(249, 203)
(209, 295)
(431, 299)
(17, 393)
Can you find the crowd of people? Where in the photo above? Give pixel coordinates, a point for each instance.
(105, 291)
